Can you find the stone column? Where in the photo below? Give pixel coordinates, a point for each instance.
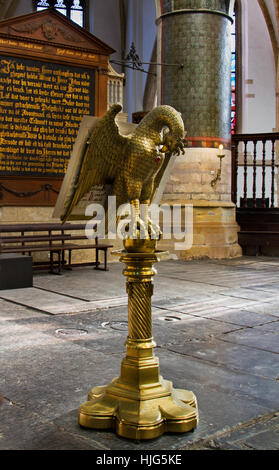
(197, 34)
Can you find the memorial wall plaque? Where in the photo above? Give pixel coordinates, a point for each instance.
(41, 107)
(52, 73)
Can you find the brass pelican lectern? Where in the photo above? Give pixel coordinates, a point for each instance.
(139, 404)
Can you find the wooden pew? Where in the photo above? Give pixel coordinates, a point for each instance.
(56, 239)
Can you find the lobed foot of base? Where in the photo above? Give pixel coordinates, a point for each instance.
(172, 410)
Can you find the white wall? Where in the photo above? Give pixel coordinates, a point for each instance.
(258, 72)
(258, 93)
(142, 30)
(104, 23)
(23, 7)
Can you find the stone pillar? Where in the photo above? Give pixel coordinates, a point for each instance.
(197, 34)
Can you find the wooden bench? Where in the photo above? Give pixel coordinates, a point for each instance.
(56, 239)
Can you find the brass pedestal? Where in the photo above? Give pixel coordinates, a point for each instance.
(139, 404)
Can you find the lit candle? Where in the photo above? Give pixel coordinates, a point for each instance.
(221, 148)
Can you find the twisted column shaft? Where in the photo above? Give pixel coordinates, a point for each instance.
(139, 310)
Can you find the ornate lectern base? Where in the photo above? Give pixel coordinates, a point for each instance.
(173, 411)
(139, 404)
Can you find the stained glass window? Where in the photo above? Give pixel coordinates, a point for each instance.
(42, 5)
(233, 77)
(73, 9)
(76, 13)
(61, 7)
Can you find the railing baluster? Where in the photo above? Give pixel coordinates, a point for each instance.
(263, 174)
(273, 137)
(234, 171)
(272, 173)
(245, 175)
(255, 174)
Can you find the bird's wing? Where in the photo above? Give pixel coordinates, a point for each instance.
(101, 160)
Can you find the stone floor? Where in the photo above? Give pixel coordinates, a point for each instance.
(216, 325)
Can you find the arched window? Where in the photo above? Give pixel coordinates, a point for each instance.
(73, 9)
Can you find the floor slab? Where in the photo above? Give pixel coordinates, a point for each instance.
(216, 326)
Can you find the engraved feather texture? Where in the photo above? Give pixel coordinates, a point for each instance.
(133, 164)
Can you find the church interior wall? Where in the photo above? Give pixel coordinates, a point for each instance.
(257, 105)
(142, 30)
(104, 23)
(258, 65)
(257, 111)
(258, 72)
(22, 7)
